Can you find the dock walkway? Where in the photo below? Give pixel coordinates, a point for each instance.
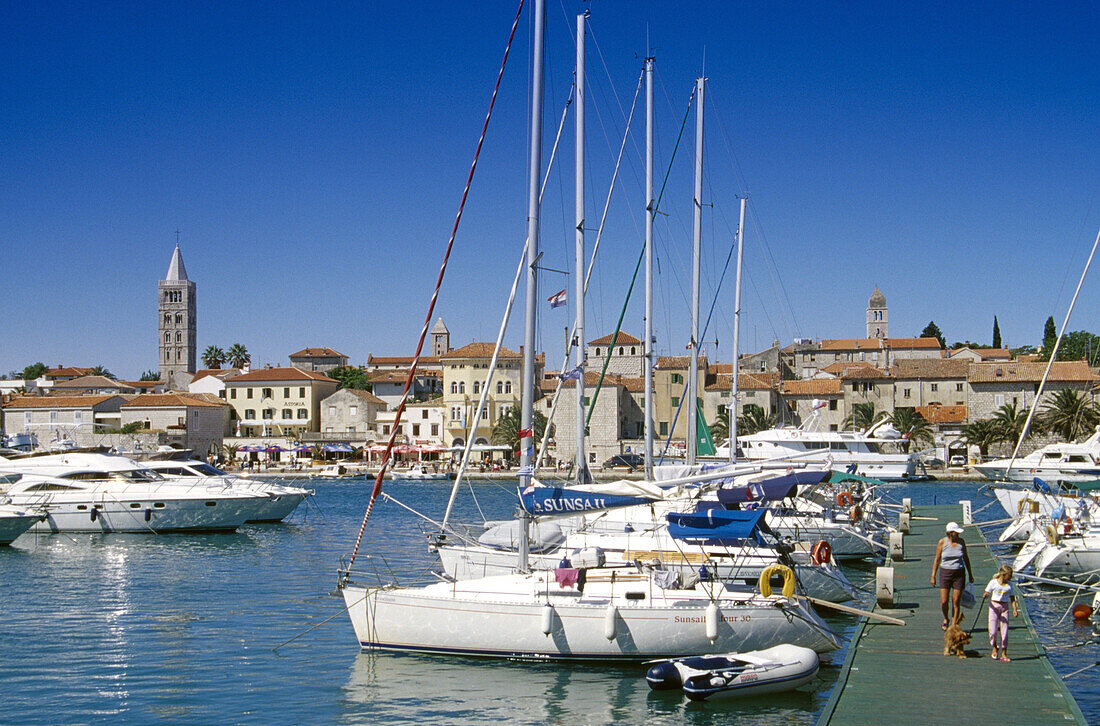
(899, 675)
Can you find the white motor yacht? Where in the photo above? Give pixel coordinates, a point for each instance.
(1054, 463)
(14, 521)
(282, 498)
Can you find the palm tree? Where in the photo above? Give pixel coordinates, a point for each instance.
(981, 434)
(913, 426)
(238, 356)
(1009, 422)
(213, 357)
(720, 429)
(1070, 414)
(102, 371)
(507, 428)
(754, 419)
(862, 417)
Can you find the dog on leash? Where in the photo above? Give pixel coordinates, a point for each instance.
(954, 640)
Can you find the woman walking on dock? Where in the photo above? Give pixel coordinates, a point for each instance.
(950, 561)
(1000, 594)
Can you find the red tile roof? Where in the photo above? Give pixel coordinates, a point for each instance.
(678, 362)
(58, 401)
(317, 353)
(478, 350)
(812, 387)
(401, 360)
(925, 368)
(366, 396)
(840, 368)
(90, 382)
(746, 382)
(172, 400)
(942, 414)
(222, 373)
(877, 343)
(1076, 371)
(59, 371)
(279, 374)
(620, 339)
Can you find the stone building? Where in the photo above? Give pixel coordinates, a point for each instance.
(441, 338)
(877, 319)
(59, 417)
(191, 421)
(799, 399)
(992, 385)
(670, 379)
(753, 389)
(805, 358)
(627, 355)
(97, 385)
(318, 360)
(278, 401)
(350, 414)
(464, 372)
(616, 421)
(389, 385)
(176, 312)
(927, 382)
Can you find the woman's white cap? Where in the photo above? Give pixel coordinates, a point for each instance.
(954, 527)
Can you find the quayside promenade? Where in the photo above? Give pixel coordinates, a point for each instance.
(899, 675)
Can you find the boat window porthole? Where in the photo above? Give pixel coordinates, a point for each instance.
(159, 505)
(81, 507)
(211, 504)
(135, 505)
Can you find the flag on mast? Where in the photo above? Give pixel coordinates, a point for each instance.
(557, 300)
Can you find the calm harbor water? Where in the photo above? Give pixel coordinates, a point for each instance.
(180, 629)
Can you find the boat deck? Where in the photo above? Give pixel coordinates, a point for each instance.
(899, 675)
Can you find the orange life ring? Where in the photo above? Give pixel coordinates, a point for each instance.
(822, 552)
(855, 513)
(844, 499)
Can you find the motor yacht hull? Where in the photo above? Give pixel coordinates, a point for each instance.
(14, 522)
(122, 515)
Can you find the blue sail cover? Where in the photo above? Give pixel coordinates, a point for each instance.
(715, 526)
(770, 490)
(556, 500)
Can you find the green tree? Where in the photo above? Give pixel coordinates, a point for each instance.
(982, 434)
(862, 417)
(238, 356)
(933, 331)
(1009, 423)
(753, 419)
(102, 371)
(507, 428)
(1050, 335)
(1079, 344)
(720, 429)
(33, 371)
(996, 333)
(150, 376)
(350, 377)
(213, 357)
(1070, 414)
(914, 427)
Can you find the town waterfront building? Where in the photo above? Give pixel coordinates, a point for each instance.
(278, 401)
(318, 360)
(176, 311)
(627, 357)
(464, 372)
(350, 415)
(55, 418)
(197, 422)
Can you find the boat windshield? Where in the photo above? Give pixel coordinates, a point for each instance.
(207, 470)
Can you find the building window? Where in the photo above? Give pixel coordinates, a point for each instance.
(302, 392)
(221, 394)
(435, 429)
(500, 387)
(677, 378)
(303, 413)
(385, 429)
(352, 410)
(586, 401)
(935, 387)
(597, 352)
(462, 386)
(477, 387)
(233, 393)
(416, 429)
(179, 319)
(664, 428)
(424, 413)
(179, 337)
(675, 400)
(905, 393)
(53, 416)
(958, 387)
(180, 421)
(287, 414)
(250, 413)
(832, 404)
(167, 319)
(269, 414)
(332, 411)
(248, 393)
(328, 429)
(620, 350)
(351, 429)
(633, 350)
(507, 386)
(267, 393)
(286, 393)
(167, 337)
(27, 418)
(454, 386)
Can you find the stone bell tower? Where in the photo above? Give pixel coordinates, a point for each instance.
(876, 315)
(176, 346)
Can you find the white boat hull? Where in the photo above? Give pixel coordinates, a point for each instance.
(14, 522)
(176, 516)
(462, 619)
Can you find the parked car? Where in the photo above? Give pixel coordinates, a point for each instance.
(958, 460)
(628, 461)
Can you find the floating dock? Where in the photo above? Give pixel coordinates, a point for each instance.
(899, 675)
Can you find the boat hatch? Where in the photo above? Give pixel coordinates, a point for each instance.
(635, 596)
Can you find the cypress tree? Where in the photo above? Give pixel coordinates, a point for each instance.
(996, 333)
(1050, 334)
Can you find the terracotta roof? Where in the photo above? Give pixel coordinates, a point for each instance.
(58, 401)
(90, 382)
(986, 354)
(430, 403)
(813, 387)
(746, 382)
(59, 371)
(1076, 371)
(171, 400)
(840, 368)
(678, 362)
(863, 374)
(279, 374)
(143, 384)
(632, 385)
(400, 360)
(478, 350)
(942, 414)
(620, 339)
(317, 353)
(929, 368)
(366, 396)
(877, 343)
(222, 373)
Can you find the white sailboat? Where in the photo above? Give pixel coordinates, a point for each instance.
(572, 613)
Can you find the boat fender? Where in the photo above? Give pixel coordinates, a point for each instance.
(855, 513)
(822, 552)
(148, 514)
(712, 618)
(94, 514)
(765, 582)
(609, 617)
(844, 499)
(547, 619)
(1067, 526)
(1082, 611)
(1052, 534)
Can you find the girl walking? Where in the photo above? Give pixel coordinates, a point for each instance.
(1000, 593)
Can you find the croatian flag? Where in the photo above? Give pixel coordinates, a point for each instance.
(525, 433)
(573, 374)
(557, 299)
(756, 491)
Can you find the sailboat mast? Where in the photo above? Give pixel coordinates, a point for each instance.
(647, 347)
(692, 391)
(580, 466)
(534, 170)
(736, 334)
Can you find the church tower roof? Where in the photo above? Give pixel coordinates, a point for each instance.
(439, 327)
(878, 300)
(176, 271)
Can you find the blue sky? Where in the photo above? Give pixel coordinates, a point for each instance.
(313, 155)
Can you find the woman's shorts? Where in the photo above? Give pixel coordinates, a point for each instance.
(952, 579)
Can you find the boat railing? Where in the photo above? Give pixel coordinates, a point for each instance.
(375, 571)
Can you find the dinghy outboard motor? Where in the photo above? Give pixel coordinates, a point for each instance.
(663, 676)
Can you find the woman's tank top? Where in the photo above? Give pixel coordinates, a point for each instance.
(951, 557)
